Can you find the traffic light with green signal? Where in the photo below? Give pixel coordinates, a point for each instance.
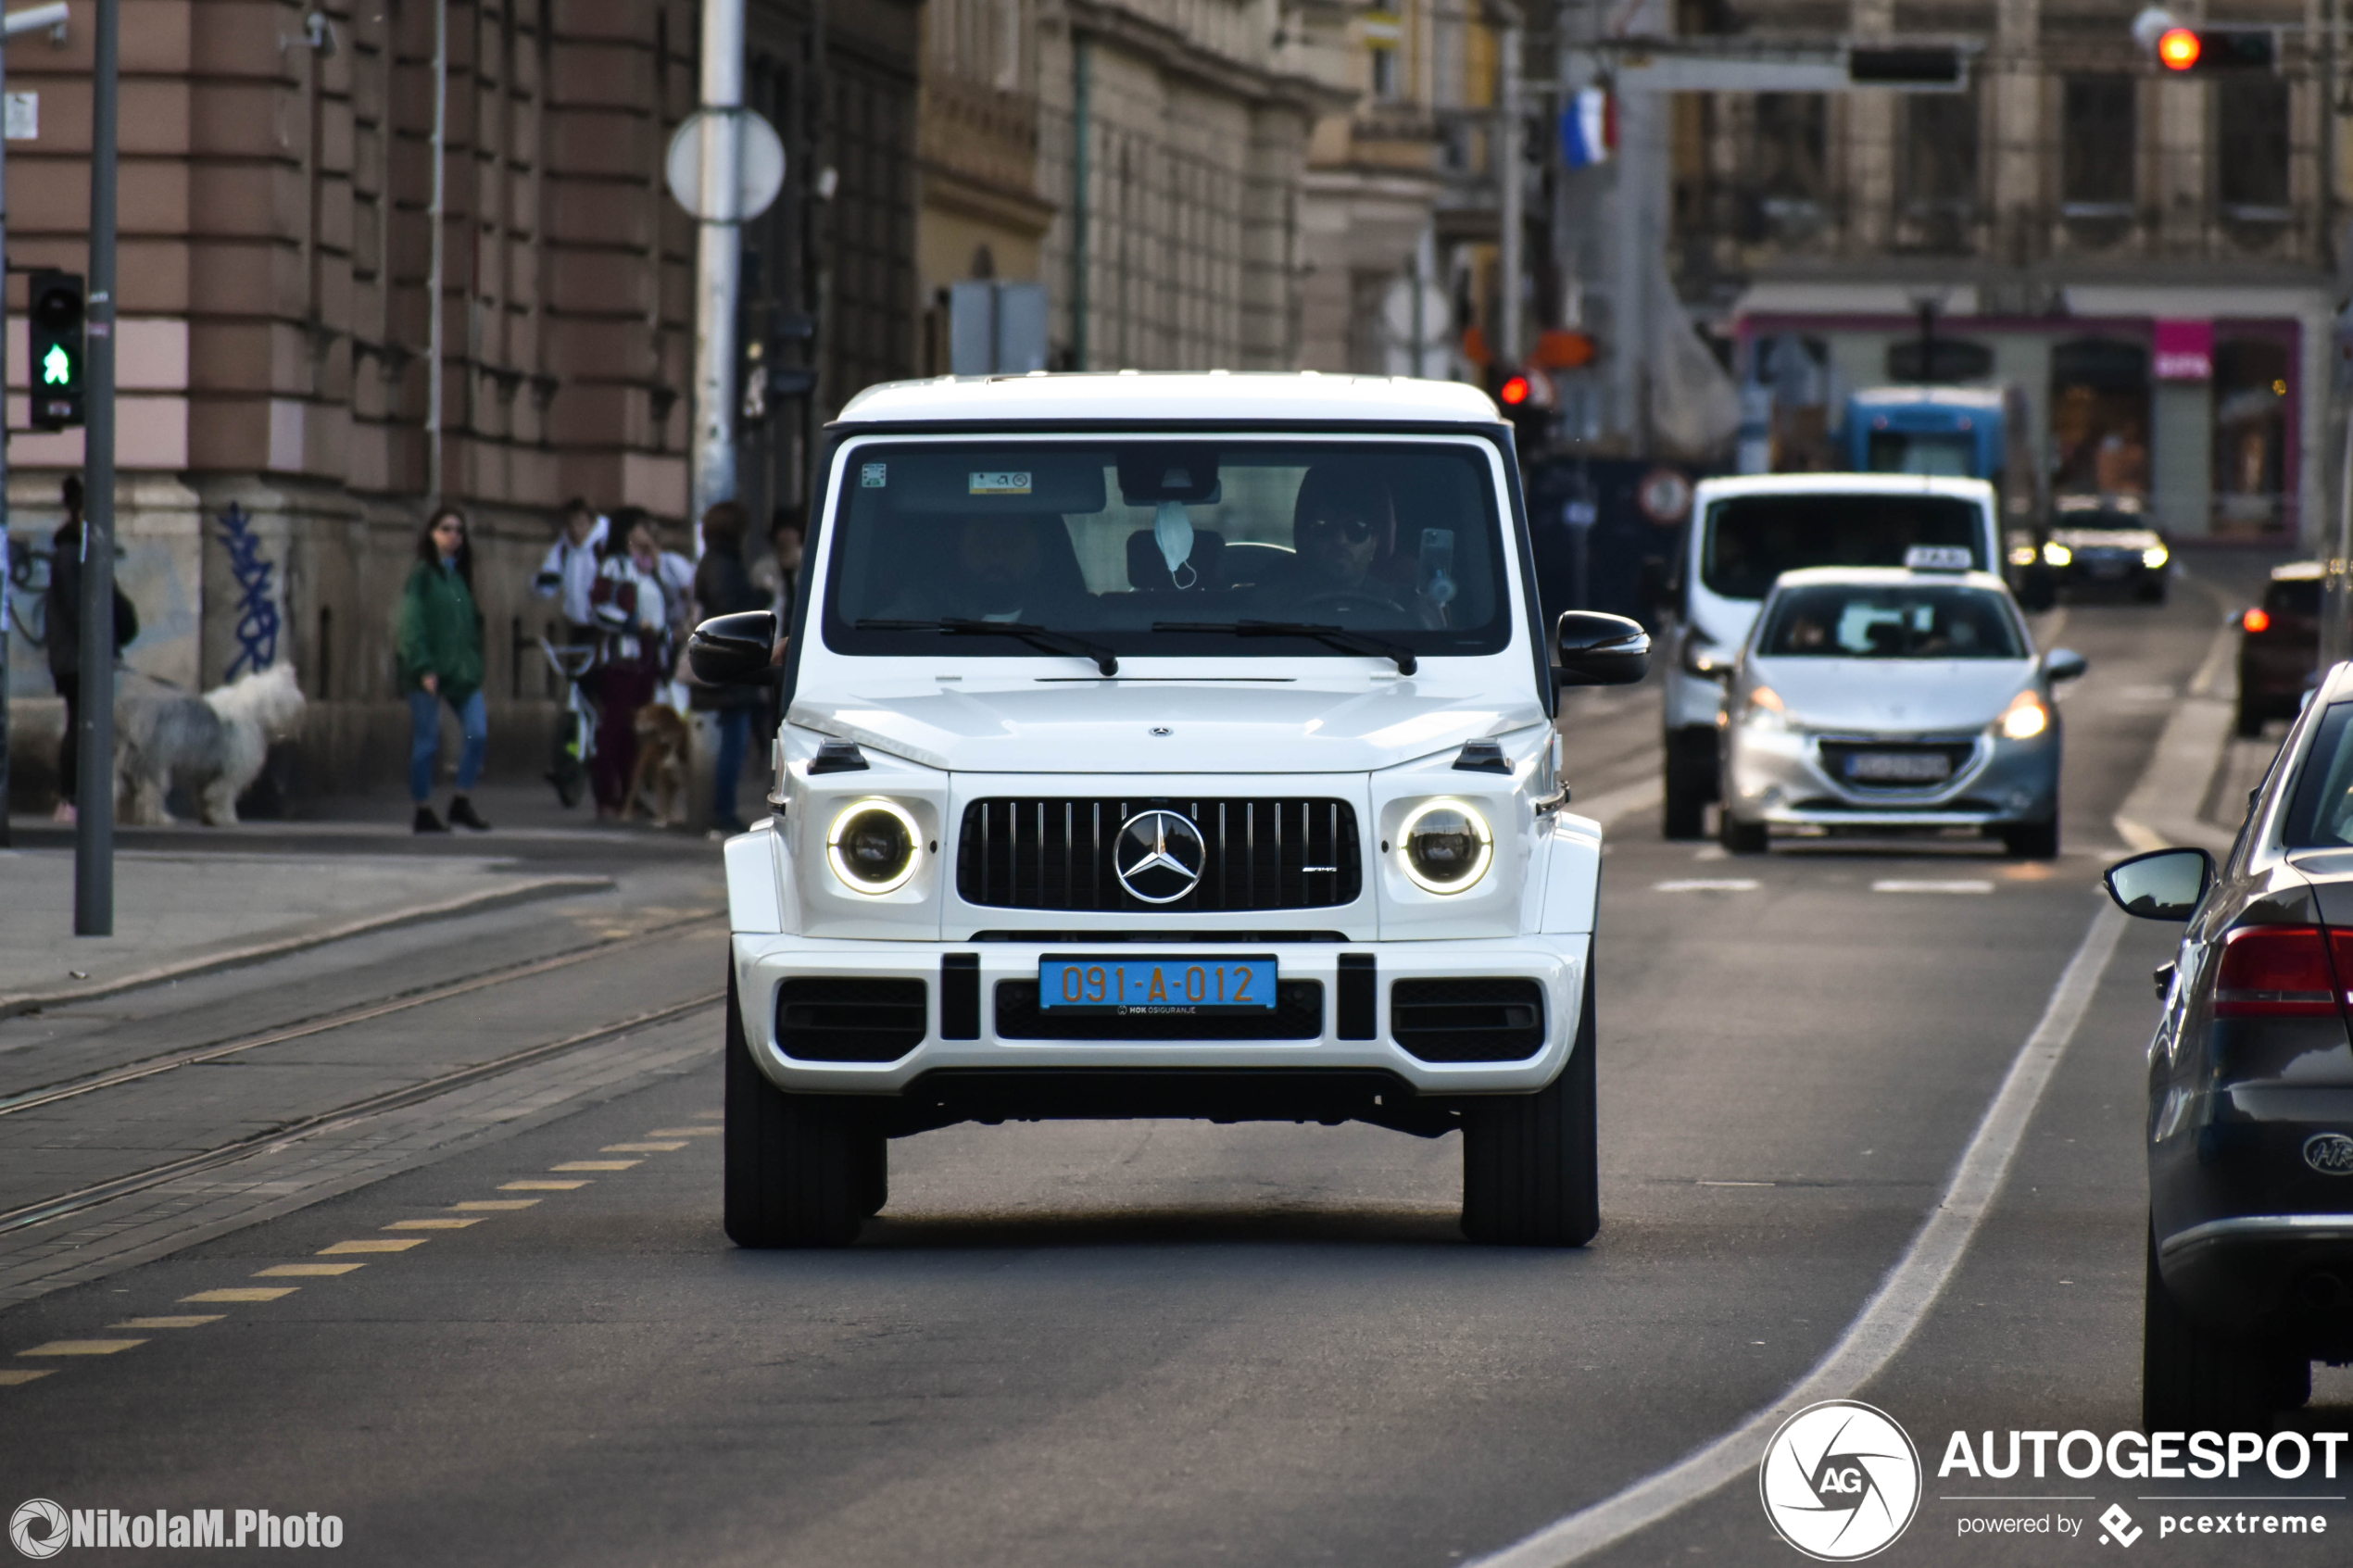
(55, 311)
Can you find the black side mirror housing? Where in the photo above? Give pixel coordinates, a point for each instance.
(732, 650)
(2064, 664)
(2161, 885)
(1600, 650)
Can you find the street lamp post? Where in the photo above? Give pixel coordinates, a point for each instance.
(94, 836)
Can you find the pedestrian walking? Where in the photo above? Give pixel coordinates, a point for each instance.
(440, 652)
(568, 572)
(62, 619)
(723, 587)
(633, 619)
(777, 574)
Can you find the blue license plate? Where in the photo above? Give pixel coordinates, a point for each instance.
(1187, 986)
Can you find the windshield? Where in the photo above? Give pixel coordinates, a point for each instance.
(1895, 451)
(1753, 539)
(1857, 622)
(1108, 539)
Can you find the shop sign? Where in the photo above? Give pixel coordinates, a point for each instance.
(2184, 350)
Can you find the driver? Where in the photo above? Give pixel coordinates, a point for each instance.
(1344, 530)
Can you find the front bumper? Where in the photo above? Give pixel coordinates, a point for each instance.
(1558, 963)
(1780, 777)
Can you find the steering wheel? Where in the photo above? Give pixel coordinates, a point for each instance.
(1340, 601)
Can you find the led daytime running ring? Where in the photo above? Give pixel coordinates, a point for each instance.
(1478, 826)
(849, 878)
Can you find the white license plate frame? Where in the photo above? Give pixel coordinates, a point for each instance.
(1159, 984)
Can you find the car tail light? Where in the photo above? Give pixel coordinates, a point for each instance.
(2277, 971)
(2257, 621)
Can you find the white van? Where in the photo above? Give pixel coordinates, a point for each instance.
(1745, 532)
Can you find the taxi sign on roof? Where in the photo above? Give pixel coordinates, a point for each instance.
(1938, 558)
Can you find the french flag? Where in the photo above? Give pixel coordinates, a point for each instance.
(1589, 128)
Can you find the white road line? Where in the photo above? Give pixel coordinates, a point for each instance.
(1706, 885)
(1887, 1320)
(1898, 884)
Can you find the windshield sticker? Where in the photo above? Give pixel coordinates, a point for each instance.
(1003, 481)
(874, 476)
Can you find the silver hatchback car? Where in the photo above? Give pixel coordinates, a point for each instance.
(1883, 698)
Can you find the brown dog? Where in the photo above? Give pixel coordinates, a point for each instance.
(661, 762)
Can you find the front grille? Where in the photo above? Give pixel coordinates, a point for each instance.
(1298, 1014)
(849, 1019)
(1467, 1019)
(1259, 854)
(1957, 755)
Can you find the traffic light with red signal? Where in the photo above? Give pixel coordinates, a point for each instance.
(2183, 50)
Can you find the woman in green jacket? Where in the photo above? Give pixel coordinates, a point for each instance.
(441, 662)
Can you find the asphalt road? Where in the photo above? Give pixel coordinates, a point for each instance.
(1169, 1342)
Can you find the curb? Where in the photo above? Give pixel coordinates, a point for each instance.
(529, 891)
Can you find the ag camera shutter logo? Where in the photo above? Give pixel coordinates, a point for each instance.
(1840, 1481)
(38, 1528)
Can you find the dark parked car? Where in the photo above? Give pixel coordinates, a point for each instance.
(2278, 643)
(2106, 548)
(2250, 1080)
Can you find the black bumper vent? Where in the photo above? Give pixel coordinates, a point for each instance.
(1257, 854)
(1467, 1019)
(1298, 1014)
(850, 1020)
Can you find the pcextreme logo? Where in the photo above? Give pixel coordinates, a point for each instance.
(1840, 1481)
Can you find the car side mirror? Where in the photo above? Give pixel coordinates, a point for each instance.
(1600, 650)
(732, 650)
(2064, 664)
(2161, 885)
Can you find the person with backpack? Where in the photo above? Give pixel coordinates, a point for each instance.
(723, 587)
(62, 616)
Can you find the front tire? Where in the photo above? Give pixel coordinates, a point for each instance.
(1741, 838)
(1690, 784)
(2194, 1379)
(1532, 1170)
(2032, 841)
(801, 1169)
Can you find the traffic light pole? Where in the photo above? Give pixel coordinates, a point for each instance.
(94, 836)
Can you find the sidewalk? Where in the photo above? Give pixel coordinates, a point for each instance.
(179, 912)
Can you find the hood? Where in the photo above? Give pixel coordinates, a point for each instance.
(1224, 727)
(1894, 696)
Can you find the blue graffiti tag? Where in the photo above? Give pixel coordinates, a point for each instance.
(257, 611)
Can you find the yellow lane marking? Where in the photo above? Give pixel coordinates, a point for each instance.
(684, 1133)
(301, 1271)
(540, 1187)
(499, 1203)
(11, 1377)
(597, 1165)
(192, 1321)
(430, 1225)
(642, 1148)
(242, 1293)
(376, 1245)
(82, 1348)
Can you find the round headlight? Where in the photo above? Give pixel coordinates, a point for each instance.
(1446, 847)
(872, 846)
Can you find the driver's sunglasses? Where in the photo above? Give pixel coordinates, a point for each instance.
(1356, 530)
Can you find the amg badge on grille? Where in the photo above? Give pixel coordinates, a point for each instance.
(1159, 855)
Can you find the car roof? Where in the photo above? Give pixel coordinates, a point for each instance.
(1200, 397)
(1886, 577)
(2298, 572)
(2096, 522)
(1942, 397)
(1842, 485)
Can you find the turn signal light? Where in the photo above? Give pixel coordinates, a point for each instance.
(2256, 621)
(2275, 972)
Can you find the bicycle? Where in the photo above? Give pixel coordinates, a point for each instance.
(575, 742)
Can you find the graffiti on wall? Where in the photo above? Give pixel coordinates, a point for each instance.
(257, 623)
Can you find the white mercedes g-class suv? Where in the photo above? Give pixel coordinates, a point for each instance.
(1164, 746)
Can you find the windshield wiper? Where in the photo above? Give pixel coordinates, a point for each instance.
(1340, 637)
(1044, 637)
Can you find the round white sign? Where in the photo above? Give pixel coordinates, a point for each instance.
(760, 169)
(1840, 1480)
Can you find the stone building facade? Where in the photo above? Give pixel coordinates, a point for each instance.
(274, 295)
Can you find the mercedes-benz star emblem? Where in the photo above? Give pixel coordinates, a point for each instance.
(1159, 856)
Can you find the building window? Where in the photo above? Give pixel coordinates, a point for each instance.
(1792, 137)
(2251, 135)
(2097, 137)
(1939, 185)
(2099, 418)
(2250, 435)
(1385, 74)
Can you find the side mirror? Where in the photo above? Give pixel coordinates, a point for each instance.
(2064, 664)
(1708, 661)
(2161, 885)
(732, 650)
(1601, 651)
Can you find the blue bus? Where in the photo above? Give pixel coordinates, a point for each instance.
(1962, 432)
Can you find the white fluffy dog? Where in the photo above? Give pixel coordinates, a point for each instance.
(212, 746)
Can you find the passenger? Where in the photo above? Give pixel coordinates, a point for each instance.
(999, 569)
